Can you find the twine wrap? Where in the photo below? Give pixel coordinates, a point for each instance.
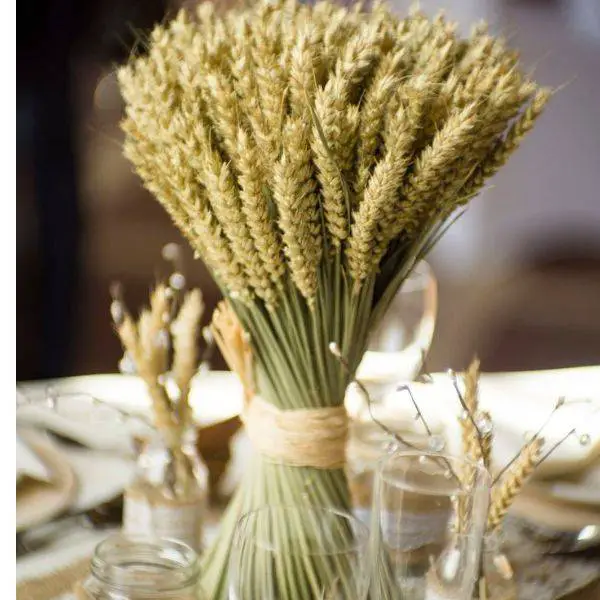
(313, 437)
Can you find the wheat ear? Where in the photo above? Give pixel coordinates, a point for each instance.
(185, 331)
(505, 492)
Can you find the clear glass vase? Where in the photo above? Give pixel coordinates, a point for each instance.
(429, 518)
(136, 568)
(496, 578)
(168, 497)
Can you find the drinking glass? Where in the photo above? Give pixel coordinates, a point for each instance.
(400, 342)
(298, 553)
(428, 521)
(367, 444)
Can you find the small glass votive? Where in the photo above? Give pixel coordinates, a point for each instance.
(138, 568)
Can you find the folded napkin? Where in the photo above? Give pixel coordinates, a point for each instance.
(215, 396)
(97, 427)
(101, 465)
(29, 464)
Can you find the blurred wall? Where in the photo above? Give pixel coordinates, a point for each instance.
(519, 275)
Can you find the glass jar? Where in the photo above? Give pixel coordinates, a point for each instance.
(135, 568)
(168, 497)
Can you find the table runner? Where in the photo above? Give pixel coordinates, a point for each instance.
(54, 585)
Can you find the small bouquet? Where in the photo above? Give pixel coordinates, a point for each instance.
(162, 347)
(496, 579)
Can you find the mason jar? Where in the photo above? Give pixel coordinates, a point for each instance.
(169, 495)
(136, 568)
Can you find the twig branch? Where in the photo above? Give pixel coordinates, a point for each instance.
(335, 350)
(536, 436)
(556, 445)
(406, 388)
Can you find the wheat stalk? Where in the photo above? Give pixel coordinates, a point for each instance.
(254, 199)
(333, 140)
(376, 218)
(304, 70)
(234, 345)
(295, 193)
(504, 494)
(372, 118)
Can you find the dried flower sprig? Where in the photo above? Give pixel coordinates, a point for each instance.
(185, 332)
(164, 345)
(477, 438)
(144, 344)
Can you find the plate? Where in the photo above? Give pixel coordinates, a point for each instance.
(535, 505)
(583, 489)
(37, 501)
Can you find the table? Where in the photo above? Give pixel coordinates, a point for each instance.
(81, 543)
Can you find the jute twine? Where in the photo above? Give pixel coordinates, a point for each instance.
(314, 437)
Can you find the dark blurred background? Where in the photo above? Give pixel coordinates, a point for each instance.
(519, 274)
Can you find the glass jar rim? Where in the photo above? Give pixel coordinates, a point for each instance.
(360, 531)
(122, 560)
(450, 460)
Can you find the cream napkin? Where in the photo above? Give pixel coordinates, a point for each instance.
(29, 464)
(518, 406)
(96, 427)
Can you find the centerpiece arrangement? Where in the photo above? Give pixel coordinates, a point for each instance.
(312, 155)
